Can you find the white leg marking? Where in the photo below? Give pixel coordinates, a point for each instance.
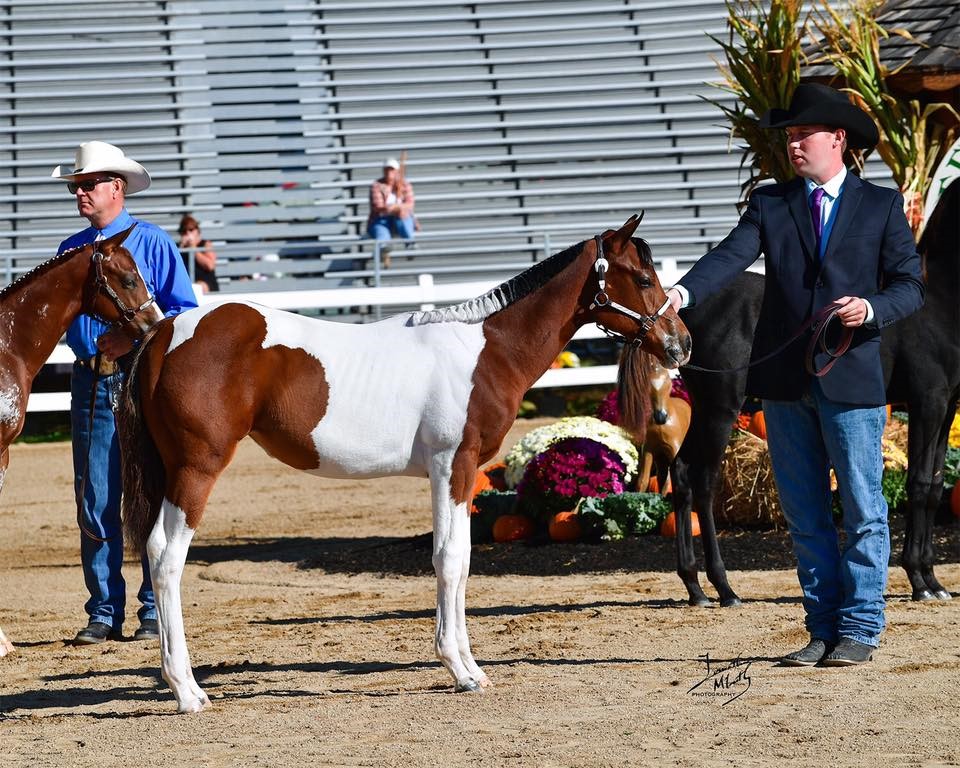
(167, 552)
(5, 645)
(451, 557)
(463, 641)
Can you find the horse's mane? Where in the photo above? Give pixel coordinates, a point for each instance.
(38, 270)
(480, 308)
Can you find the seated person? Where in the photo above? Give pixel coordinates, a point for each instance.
(391, 205)
(205, 259)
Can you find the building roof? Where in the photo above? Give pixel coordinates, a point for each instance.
(927, 60)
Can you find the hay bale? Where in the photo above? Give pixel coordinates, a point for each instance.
(748, 495)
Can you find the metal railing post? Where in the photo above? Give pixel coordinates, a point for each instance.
(378, 311)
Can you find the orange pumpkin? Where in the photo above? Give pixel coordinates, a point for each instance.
(512, 528)
(955, 500)
(565, 526)
(669, 525)
(482, 483)
(758, 425)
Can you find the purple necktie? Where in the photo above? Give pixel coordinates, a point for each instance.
(816, 211)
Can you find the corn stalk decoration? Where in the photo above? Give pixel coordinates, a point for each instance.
(914, 138)
(762, 69)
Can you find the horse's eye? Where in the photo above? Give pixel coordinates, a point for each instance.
(644, 282)
(129, 281)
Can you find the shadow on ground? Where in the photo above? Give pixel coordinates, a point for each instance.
(411, 556)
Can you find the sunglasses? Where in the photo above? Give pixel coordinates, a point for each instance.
(88, 185)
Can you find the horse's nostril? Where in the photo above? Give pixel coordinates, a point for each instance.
(660, 416)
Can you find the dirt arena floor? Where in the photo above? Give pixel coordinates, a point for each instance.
(310, 609)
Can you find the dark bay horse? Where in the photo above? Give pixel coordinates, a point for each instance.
(426, 394)
(921, 357)
(99, 279)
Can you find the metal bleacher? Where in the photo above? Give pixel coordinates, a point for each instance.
(527, 125)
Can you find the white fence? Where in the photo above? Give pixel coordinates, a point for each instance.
(426, 294)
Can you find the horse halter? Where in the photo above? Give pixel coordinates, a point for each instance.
(602, 300)
(100, 283)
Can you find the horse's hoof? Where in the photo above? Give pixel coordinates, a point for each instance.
(193, 705)
(942, 594)
(700, 602)
(923, 596)
(730, 602)
(470, 686)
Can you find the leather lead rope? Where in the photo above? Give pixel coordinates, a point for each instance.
(818, 322)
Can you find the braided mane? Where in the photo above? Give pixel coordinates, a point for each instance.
(480, 308)
(39, 270)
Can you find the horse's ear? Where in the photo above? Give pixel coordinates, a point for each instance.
(622, 236)
(118, 238)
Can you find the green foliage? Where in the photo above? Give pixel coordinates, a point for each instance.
(763, 58)
(893, 485)
(911, 143)
(614, 517)
(951, 467)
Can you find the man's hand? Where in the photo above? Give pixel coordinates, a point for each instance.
(675, 299)
(114, 344)
(854, 311)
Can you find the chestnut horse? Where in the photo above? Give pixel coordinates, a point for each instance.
(425, 394)
(668, 425)
(101, 279)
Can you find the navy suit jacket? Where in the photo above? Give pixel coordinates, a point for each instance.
(870, 254)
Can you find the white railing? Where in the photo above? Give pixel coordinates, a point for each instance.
(426, 294)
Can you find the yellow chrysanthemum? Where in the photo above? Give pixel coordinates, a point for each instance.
(954, 438)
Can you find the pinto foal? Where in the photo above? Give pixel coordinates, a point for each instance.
(426, 394)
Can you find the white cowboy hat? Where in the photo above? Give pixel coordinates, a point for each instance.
(391, 162)
(98, 157)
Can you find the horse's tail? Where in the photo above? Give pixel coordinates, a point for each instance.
(142, 469)
(633, 392)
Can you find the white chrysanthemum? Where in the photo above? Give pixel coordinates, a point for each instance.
(538, 440)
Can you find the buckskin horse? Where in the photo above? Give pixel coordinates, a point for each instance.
(100, 279)
(426, 394)
(921, 359)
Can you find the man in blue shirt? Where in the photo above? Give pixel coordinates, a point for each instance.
(101, 178)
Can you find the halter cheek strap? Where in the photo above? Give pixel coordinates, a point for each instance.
(127, 314)
(603, 301)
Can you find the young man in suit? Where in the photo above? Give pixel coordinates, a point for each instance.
(827, 236)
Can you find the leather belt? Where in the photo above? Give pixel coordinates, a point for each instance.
(107, 367)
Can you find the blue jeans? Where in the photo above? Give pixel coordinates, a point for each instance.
(385, 227)
(842, 590)
(100, 511)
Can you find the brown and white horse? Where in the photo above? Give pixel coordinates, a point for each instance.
(669, 422)
(427, 394)
(100, 279)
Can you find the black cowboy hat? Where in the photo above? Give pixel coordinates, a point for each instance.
(815, 104)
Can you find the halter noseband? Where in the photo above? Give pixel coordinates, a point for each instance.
(602, 300)
(127, 314)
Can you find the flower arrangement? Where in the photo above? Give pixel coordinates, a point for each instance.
(616, 517)
(609, 408)
(571, 469)
(539, 440)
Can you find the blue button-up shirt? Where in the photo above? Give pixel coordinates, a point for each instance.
(160, 266)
